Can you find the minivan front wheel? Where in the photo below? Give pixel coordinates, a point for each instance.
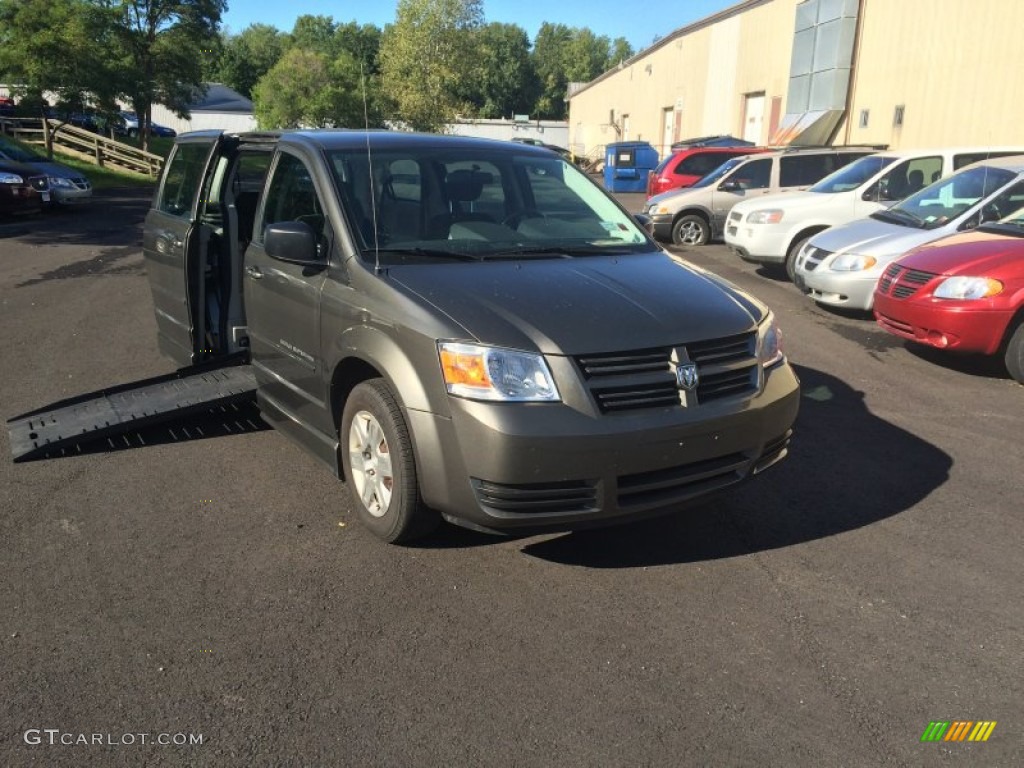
(690, 230)
(380, 470)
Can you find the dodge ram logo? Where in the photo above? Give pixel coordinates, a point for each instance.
(686, 376)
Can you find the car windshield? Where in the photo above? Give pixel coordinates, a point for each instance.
(17, 154)
(946, 199)
(853, 175)
(719, 172)
(465, 203)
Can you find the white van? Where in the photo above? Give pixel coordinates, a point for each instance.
(772, 230)
(841, 266)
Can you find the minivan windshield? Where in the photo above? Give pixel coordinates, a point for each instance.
(946, 199)
(853, 175)
(720, 171)
(466, 203)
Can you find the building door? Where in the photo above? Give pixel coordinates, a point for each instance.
(753, 117)
(669, 132)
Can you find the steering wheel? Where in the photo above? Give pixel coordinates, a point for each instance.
(515, 218)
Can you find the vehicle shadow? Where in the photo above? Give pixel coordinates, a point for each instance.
(112, 219)
(225, 420)
(981, 366)
(846, 469)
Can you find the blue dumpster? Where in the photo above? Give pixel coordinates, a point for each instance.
(626, 165)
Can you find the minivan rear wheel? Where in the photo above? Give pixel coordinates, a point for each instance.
(1014, 357)
(380, 469)
(690, 230)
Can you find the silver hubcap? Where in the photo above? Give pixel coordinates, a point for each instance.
(370, 460)
(690, 234)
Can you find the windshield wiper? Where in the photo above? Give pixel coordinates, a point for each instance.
(1003, 228)
(432, 253)
(559, 251)
(898, 216)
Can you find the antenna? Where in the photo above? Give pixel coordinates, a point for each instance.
(369, 160)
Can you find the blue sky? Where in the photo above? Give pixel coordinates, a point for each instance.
(639, 22)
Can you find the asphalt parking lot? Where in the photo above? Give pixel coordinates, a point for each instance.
(212, 581)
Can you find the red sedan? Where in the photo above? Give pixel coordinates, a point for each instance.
(964, 292)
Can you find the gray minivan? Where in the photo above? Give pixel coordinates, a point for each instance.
(463, 328)
(696, 215)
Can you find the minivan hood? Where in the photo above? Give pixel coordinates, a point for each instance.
(875, 238)
(583, 305)
(977, 253)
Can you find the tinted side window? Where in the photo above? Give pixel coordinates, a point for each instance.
(966, 158)
(804, 170)
(703, 163)
(183, 179)
(292, 196)
(908, 177)
(757, 174)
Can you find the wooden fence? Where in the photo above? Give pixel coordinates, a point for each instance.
(82, 143)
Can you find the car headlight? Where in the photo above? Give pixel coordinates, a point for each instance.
(968, 288)
(492, 373)
(658, 208)
(58, 181)
(769, 341)
(10, 178)
(766, 216)
(852, 262)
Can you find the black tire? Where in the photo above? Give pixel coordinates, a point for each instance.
(385, 494)
(791, 255)
(1014, 357)
(690, 230)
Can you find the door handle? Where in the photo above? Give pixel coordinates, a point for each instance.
(254, 272)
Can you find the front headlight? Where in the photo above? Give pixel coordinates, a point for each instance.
(658, 208)
(766, 216)
(58, 181)
(852, 262)
(968, 288)
(493, 373)
(10, 178)
(769, 341)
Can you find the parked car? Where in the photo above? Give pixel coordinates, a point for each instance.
(67, 185)
(22, 189)
(7, 106)
(841, 266)
(688, 165)
(964, 293)
(464, 328)
(772, 230)
(128, 125)
(696, 215)
(553, 147)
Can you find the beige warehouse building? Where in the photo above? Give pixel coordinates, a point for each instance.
(905, 73)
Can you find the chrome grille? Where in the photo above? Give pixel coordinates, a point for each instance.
(39, 183)
(903, 283)
(81, 182)
(814, 257)
(626, 381)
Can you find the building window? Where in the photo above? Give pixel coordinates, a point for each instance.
(864, 118)
(897, 116)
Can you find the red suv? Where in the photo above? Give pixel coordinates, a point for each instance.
(964, 293)
(685, 167)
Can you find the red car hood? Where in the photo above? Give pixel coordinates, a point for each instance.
(984, 254)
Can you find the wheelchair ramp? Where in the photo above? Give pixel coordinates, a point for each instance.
(126, 408)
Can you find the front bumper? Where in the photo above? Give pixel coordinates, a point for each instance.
(944, 324)
(70, 196)
(756, 243)
(662, 227)
(542, 467)
(839, 289)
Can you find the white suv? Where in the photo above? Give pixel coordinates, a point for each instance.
(773, 229)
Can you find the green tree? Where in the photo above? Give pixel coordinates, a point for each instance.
(506, 82)
(428, 57)
(549, 61)
(305, 89)
(248, 56)
(162, 46)
(621, 50)
(315, 33)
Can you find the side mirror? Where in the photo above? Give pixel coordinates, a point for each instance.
(646, 222)
(293, 242)
(729, 186)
